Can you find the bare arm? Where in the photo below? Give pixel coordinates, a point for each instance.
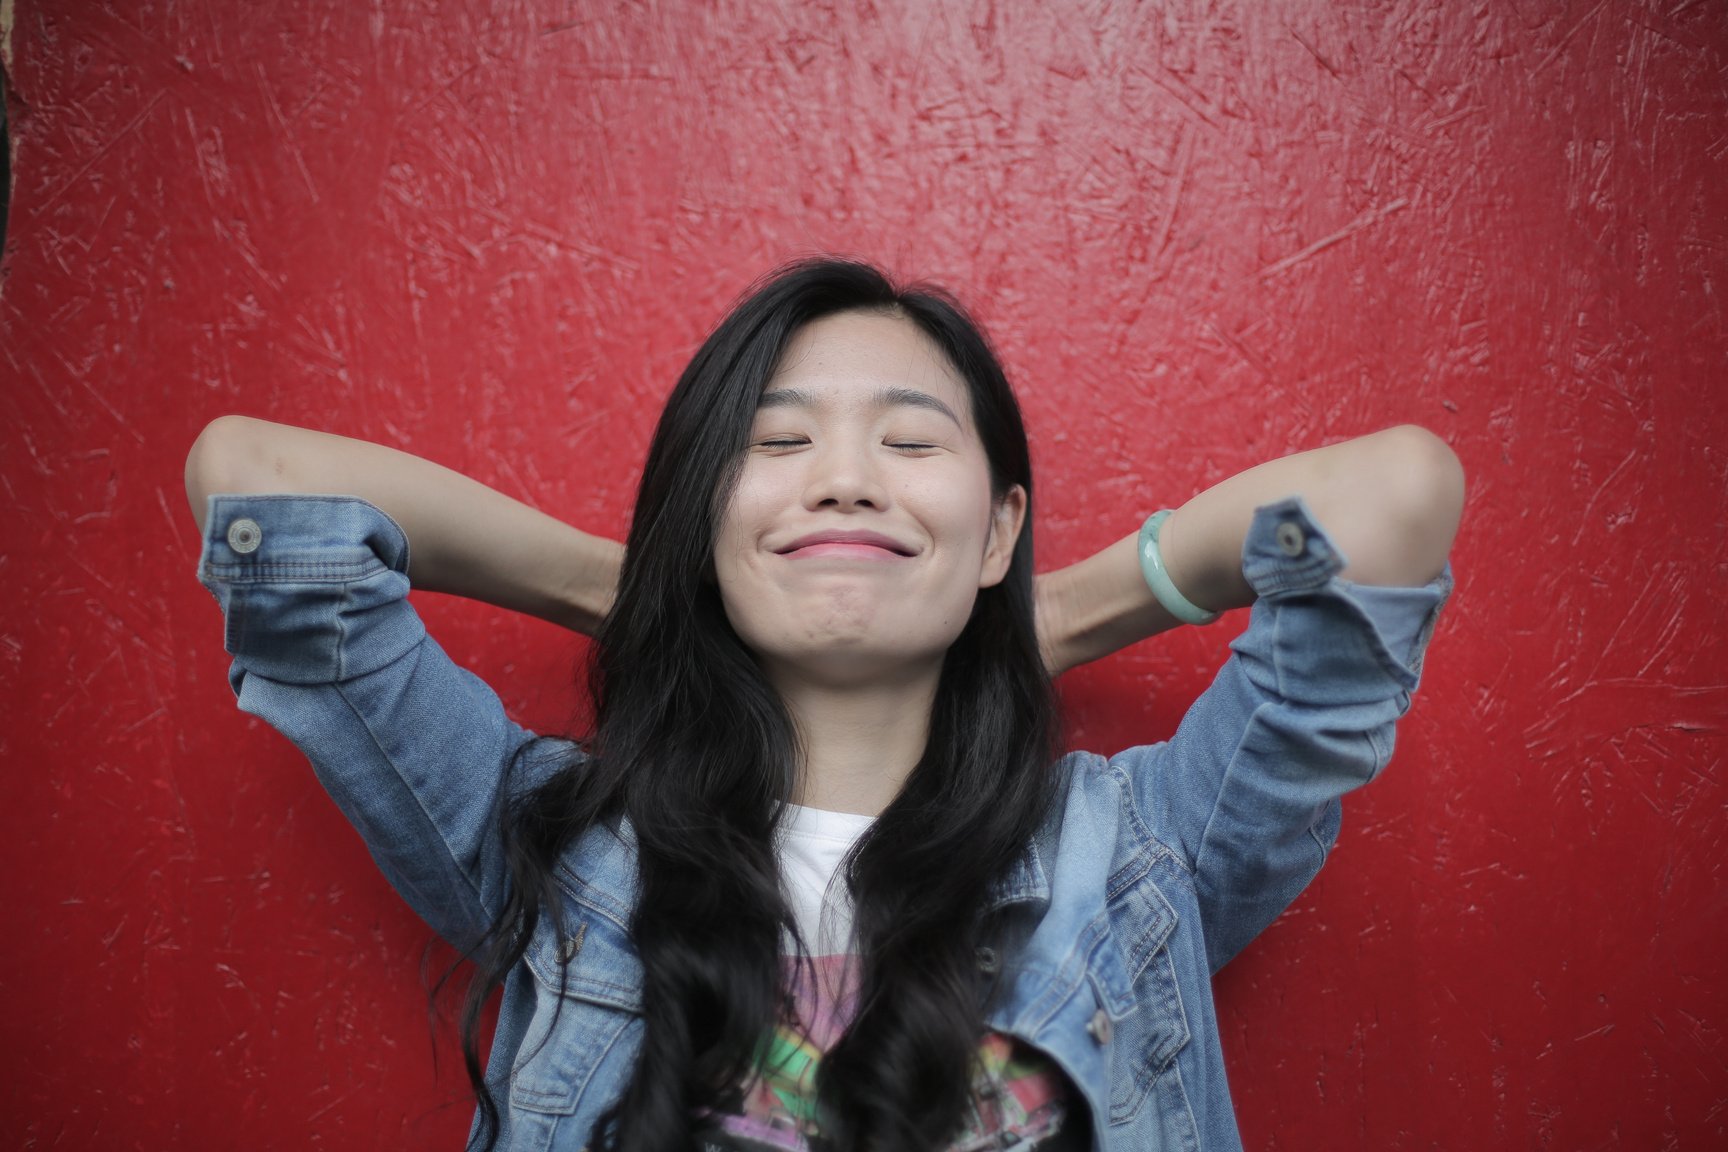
(465, 538)
(1391, 500)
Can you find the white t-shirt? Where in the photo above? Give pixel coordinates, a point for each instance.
(1025, 1098)
(812, 843)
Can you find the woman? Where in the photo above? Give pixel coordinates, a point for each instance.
(812, 880)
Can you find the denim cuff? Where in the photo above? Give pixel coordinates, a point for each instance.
(313, 588)
(250, 538)
(1286, 550)
(1287, 556)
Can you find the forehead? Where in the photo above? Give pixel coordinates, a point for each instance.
(854, 357)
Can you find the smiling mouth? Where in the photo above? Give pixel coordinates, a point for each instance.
(874, 545)
(845, 549)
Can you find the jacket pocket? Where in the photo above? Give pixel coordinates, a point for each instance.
(580, 1047)
(1149, 1038)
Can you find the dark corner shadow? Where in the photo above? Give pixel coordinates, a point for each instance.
(5, 145)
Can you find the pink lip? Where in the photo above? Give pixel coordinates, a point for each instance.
(849, 543)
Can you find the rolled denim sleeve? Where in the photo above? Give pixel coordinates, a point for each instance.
(328, 651)
(1247, 791)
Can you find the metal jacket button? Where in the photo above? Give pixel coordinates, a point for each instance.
(1100, 1026)
(1291, 539)
(987, 962)
(244, 535)
(571, 945)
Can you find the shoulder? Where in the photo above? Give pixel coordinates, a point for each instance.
(1095, 816)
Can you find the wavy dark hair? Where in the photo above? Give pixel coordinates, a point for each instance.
(695, 748)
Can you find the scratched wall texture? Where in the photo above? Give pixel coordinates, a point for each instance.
(1203, 233)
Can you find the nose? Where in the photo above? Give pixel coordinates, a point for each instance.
(844, 477)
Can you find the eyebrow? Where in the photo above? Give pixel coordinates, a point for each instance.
(886, 397)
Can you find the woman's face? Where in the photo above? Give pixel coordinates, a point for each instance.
(862, 525)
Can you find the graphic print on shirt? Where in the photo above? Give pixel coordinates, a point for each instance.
(1019, 1097)
(1017, 1094)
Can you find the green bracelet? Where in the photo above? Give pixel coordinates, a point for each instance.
(1158, 577)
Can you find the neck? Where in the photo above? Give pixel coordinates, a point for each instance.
(860, 741)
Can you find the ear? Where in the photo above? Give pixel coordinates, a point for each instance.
(1006, 520)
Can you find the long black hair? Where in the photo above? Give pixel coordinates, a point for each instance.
(692, 745)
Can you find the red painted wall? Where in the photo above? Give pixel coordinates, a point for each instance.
(1203, 234)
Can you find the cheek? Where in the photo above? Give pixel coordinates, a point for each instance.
(738, 526)
(741, 596)
(739, 586)
(755, 497)
(737, 567)
(961, 514)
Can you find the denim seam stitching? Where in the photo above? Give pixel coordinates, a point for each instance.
(587, 895)
(1064, 982)
(338, 571)
(1223, 782)
(1137, 819)
(479, 900)
(549, 1104)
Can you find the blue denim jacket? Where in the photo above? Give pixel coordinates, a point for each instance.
(1155, 868)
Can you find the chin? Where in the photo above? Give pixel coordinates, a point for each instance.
(842, 661)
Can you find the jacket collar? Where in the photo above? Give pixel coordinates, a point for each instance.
(1023, 883)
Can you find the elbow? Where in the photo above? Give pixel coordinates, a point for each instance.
(218, 459)
(1424, 485)
(1404, 488)
(1426, 477)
